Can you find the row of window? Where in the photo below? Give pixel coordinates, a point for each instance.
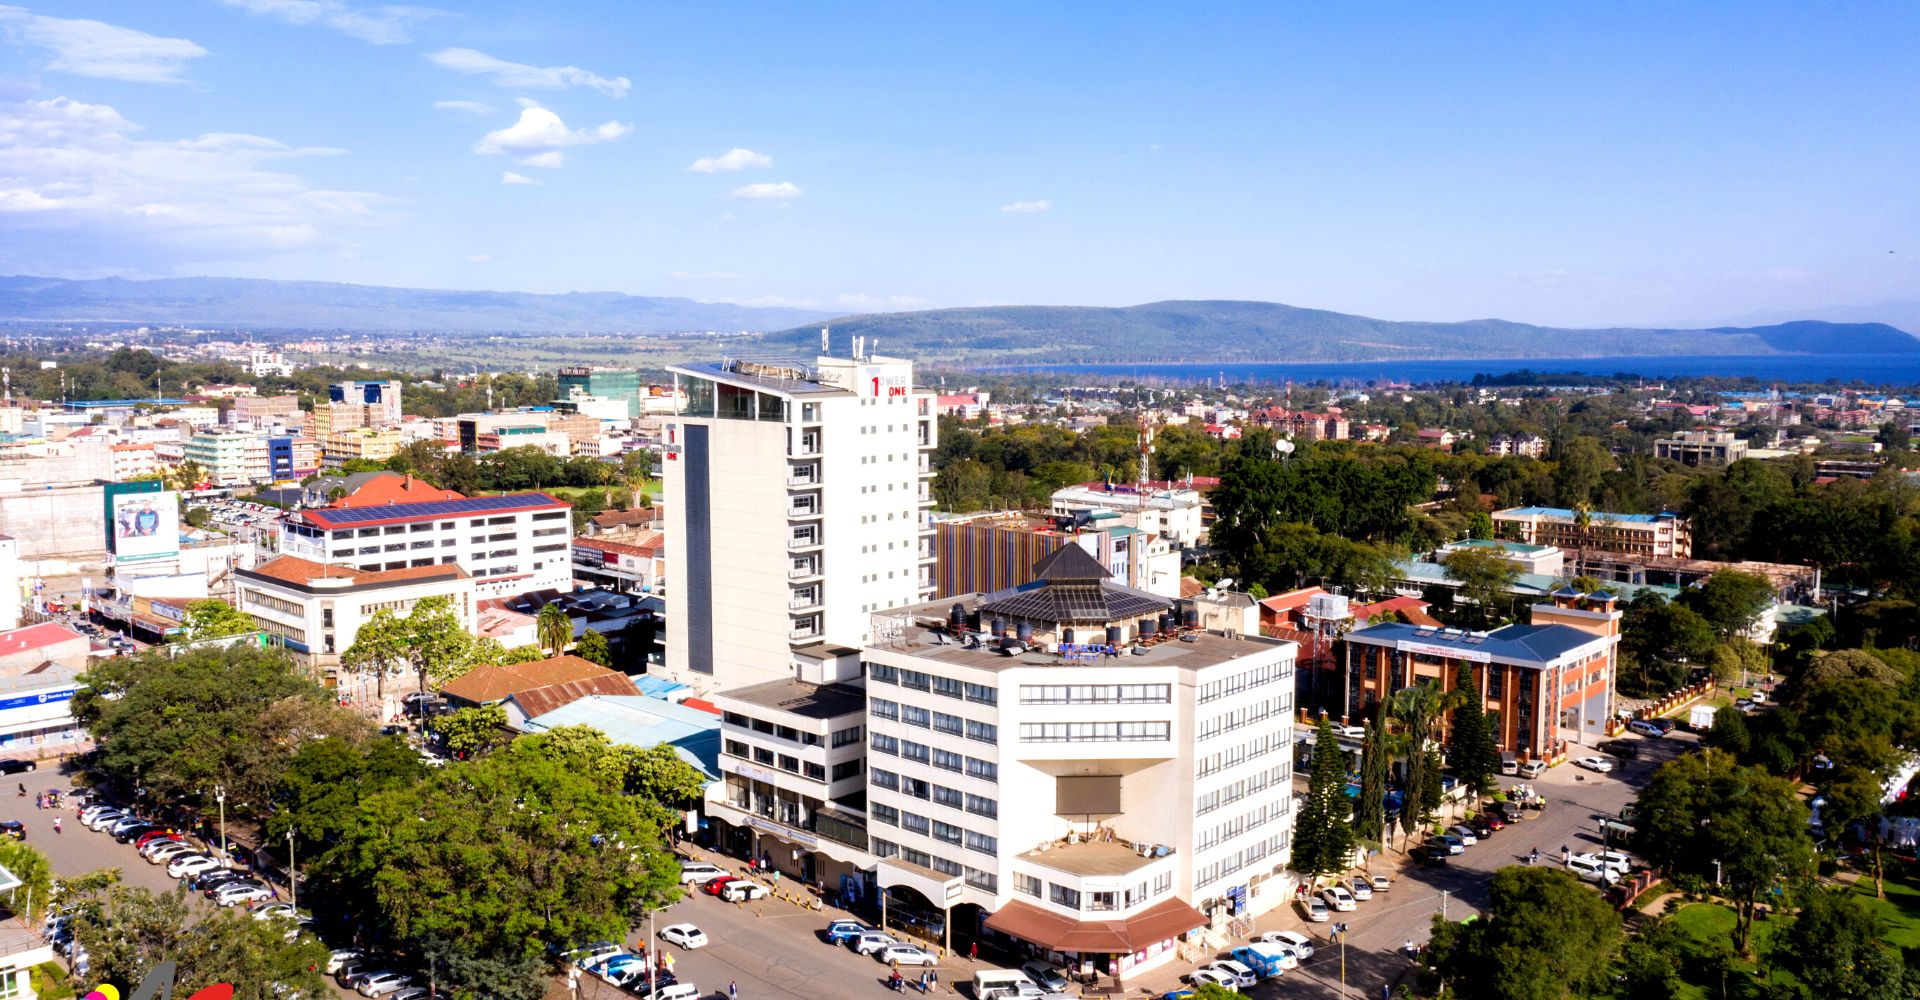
(914, 715)
(1232, 863)
(1234, 756)
(1229, 794)
(1096, 694)
(788, 733)
(1095, 732)
(918, 681)
(1278, 706)
(1272, 673)
(971, 766)
(974, 876)
(919, 788)
(1250, 820)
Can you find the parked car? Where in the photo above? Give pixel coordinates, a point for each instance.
(339, 958)
(1047, 976)
(1202, 977)
(904, 954)
(1533, 769)
(1381, 883)
(1360, 887)
(13, 828)
(383, 983)
(742, 890)
(1480, 827)
(678, 991)
(1339, 898)
(1664, 724)
(1598, 765)
(275, 911)
(1464, 834)
(104, 819)
(1301, 944)
(1433, 852)
(1492, 817)
(14, 765)
(152, 835)
(162, 851)
(870, 942)
(1591, 870)
(684, 935)
(236, 893)
(1645, 727)
(1612, 860)
(713, 886)
(190, 865)
(1315, 910)
(1239, 974)
(699, 873)
(1453, 844)
(1627, 749)
(842, 931)
(595, 953)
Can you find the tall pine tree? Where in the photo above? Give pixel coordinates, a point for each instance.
(1322, 841)
(1474, 754)
(1370, 813)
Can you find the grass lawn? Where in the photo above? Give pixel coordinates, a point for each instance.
(1710, 925)
(1901, 909)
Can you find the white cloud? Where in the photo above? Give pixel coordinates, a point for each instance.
(382, 25)
(552, 159)
(731, 161)
(540, 129)
(512, 178)
(95, 48)
(479, 258)
(878, 303)
(470, 107)
(513, 74)
(75, 182)
(1027, 207)
(761, 192)
(704, 276)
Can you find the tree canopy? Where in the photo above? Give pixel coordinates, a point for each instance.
(1545, 936)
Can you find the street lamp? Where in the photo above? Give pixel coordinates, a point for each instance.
(293, 873)
(220, 796)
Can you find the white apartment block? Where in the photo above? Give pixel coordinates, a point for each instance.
(509, 544)
(1170, 513)
(797, 498)
(1050, 765)
(316, 610)
(230, 457)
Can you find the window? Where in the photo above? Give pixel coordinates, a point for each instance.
(735, 748)
(945, 685)
(984, 732)
(763, 756)
(1103, 900)
(787, 733)
(817, 772)
(1094, 732)
(983, 806)
(847, 737)
(881, 708)
(947, 760)
(914, 823)
(982, 694)
(789, 763)
(1063, 896)
(982, 880)
(916, 787)
(762, 726)
(885, 744)
(914, 679)
(1096, 694)
(735, 719)
(885, 849)
(1024, 883)
(886, 814)
(949, 797)
(946, 832)
(884, 779)
(983, 769)
(914, 751)
(982, 843)
(846, 769)
(949, 724)
(921, 858)
(883, 672)
(945, 867)
(914, 716)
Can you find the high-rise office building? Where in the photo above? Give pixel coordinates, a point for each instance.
(797, 497)
(623, 384)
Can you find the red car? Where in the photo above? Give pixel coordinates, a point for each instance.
(1493, 820)
(152, 835)
(713, 888)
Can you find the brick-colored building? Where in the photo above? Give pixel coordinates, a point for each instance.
(1546, 685)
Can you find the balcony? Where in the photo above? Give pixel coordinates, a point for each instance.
(803, 541)
(804, 630)
(805, 446)
(804, 600)
(804, 507)
(801, 476)
(803, 569)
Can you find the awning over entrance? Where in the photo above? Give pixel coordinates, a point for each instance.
(1059, 932)
(939, 889)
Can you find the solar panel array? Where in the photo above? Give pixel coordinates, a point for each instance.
(430, 508)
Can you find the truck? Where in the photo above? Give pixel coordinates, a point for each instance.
(1267, 961)
(1700, 718)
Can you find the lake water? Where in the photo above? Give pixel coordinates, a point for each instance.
(1891, 370)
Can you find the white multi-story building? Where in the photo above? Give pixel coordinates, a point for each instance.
(1054, 765)
(510, 544)
(1172, 513)
(797, 498)
(315, 610)
(230, 457)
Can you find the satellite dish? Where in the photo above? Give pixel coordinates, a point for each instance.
(1283, 446)
(1223, 583)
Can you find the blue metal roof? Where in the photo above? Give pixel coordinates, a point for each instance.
(1513, 643)
(637, 720)
(1597, 516)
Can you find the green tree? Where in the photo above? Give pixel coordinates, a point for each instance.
(1419, 708)
(128, 931)
(30, 898)
(1650, 962)
(523, 654)
(1706, 815)
(510, 855)
(554, 629)
(430, 640)
(1486, 580)
(212, 618)
(1322, 840)
(1214, 991)
(1474, 754)
(1480, 525)
(1837, 947)
(320, 791)
(472, 731)
(1376, 763)
(1584, 461)
(1545, 937)
(593, 646)
(1730, 600)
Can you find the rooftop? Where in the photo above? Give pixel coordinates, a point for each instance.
(811, 701)
(511, 503)
(22, 640)
(760, 375)
(926, 636)
(302, 572)
(495, 682)
(636, 720)
(1091, 858)
(1520, 644)
(1599, 517)
(1518, 548)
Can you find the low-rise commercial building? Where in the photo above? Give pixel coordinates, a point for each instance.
(510, 544)
(1640, 534)
(316, 609)
(1699, 448)
(1173, 512)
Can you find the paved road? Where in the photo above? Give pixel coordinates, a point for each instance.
(76, 849)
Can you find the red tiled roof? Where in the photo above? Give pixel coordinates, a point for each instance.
(293, 569)
(394, 489)
(1291, 599)
(1190, 587)
(39, 636)
(491, 683)
(617, 518)
(651, 545)
(541, 700)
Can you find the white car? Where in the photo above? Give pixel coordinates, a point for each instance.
(699, 874)
(1590, 870)
(1381, 883)
(191, 865)
(678, 991)
(1201, 977)
(382, 983)
(1339, 898)
(104, 819)
(1360, 887)
(236, 894)
(340, 958)
(169, 850)
(1316, 910)
(1600, 765)
(1611, 860)
(1465, 833)
(741, 890)
(1240, 974)
(275, 911)
(87, 815)
(870, 942)
(904, 954)
(1301, 945)
(1351, 732)
(684, 935)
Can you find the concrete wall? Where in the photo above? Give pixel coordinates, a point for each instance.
(64, 521)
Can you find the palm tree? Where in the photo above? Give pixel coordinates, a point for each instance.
(554, 629)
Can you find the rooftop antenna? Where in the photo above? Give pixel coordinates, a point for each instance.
(823, 340)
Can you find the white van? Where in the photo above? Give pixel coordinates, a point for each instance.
(1011, 982)
(1592, 870)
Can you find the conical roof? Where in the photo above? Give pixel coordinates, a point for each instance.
(1069, 563)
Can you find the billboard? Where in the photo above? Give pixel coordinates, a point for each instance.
(145, 525)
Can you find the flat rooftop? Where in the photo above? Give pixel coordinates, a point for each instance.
(921, 638)
(806, 385)
(810, 701)
(1091, 859)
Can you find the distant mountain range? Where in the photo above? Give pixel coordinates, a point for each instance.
(253, 304)
(1227, 331)
(1170, 332)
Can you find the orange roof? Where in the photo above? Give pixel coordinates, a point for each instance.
(1291, 599)
(293, 569)
(539, 701)
(650, 545)
(1190, 587)
(488, 684)
(383, 490)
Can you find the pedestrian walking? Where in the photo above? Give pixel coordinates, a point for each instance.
(56, 824)
(973, 951)
(733, 990)
(924, 982)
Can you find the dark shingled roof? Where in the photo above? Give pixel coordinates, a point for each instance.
(1073, 587)
(1069, 563)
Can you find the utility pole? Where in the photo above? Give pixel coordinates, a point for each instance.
(1340, 931)
(1443, 904)
(293, 874)
(220, 796)
(653, 960)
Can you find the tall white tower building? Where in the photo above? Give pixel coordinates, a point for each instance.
(797, 497)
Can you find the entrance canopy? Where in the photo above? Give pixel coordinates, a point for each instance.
(1166, 919)
(939, 889)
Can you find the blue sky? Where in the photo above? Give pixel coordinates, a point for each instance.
(1631, 164)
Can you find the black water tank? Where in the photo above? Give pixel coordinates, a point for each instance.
(1169, 621)
(1023, 632)
(1113, 635)
(1066, 636)
(1193, 618)
(999, 626)
(1149, 628)
(973, 621)
(957, 616)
